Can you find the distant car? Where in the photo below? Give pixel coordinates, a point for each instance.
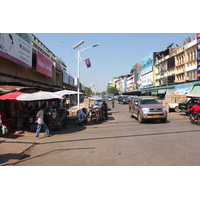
(123, 99)
(109, 98)
(130, 98)
(147, 107)
(97, 103)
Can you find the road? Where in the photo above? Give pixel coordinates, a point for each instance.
(120, 141)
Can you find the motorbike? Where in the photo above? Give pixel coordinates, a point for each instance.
(195, 119)
(96, 114)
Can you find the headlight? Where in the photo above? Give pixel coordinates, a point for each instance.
(145, 110)
(164, 109)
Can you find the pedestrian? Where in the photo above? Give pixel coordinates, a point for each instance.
(67, 103)
(104, 108)
(40, 122)
(113, 102)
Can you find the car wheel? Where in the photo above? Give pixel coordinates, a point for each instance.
(176, 109)
(163, 120)
(140, 120)
(130, 113)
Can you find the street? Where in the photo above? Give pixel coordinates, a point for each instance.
(120, 141)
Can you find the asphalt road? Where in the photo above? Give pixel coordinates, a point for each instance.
(120, 141)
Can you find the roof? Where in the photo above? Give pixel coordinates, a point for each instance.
(12, 88)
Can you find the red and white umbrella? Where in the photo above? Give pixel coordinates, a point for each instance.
(11, 96)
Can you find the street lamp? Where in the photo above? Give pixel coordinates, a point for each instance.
(78, 58)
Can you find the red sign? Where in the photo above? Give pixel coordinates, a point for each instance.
(44, 65)
(197, 35)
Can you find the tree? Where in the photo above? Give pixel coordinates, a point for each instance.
(88, 91)
(112, 90)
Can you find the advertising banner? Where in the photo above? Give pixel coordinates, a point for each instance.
(147, 80)
(147, 62)
(183, 88)
(14, 48)
(198, 54)
(44, 65)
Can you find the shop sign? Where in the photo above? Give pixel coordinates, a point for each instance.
(14, 48)
(44, 65)
(198, 54)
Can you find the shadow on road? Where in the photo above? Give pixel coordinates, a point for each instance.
(11, 156)
(53, 151)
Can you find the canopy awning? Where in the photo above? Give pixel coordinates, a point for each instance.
(67, 92)
(11, 96)
(37, 96)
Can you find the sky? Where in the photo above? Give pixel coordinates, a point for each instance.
(116, 55)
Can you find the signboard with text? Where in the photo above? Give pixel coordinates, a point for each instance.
(16, 49)
(44, 65)
(198, 54)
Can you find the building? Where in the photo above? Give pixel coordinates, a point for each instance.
(26, 61)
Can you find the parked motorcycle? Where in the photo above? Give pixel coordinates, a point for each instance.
(95, 114)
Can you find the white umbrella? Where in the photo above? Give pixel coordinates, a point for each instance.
(41, 95)
(67, 92)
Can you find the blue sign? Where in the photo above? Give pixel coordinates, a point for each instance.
(198, 54)
(147, 62)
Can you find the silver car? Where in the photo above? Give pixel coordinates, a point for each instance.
(147, 107)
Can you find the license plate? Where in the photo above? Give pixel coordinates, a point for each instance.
(156, 116)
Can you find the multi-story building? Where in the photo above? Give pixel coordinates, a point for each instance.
(25, 60)
(186, 63)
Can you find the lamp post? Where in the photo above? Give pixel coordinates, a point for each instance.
(78, 64)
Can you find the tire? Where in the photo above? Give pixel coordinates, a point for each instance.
(130, 113)
(164, 120)
(176, 109)
(140, 120)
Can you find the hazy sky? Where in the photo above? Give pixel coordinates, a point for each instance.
(116, 55)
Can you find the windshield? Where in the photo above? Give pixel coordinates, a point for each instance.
(149, 101)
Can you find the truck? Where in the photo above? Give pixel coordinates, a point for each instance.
(172, 101)
(192, 99)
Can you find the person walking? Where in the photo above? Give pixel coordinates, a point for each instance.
(113, 102)
(40, 122)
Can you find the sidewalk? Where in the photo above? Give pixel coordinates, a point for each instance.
(13, 147)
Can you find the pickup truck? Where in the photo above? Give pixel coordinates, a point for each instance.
(174, 106)
(184, 106)
(147, 107)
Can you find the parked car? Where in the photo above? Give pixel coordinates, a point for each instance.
(147, 107)
(130, 98)
(123, 99)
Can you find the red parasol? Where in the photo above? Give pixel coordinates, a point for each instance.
(11, 96)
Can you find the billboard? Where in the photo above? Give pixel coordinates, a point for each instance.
(147, 62)
(44, 65)
(14, 48)
(146, 71)
(198, 54)
(183, 88)
(147, 80)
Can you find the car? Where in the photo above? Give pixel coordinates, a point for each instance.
(147, 107)
(109, 98)
(123, 99)
(97, 103)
